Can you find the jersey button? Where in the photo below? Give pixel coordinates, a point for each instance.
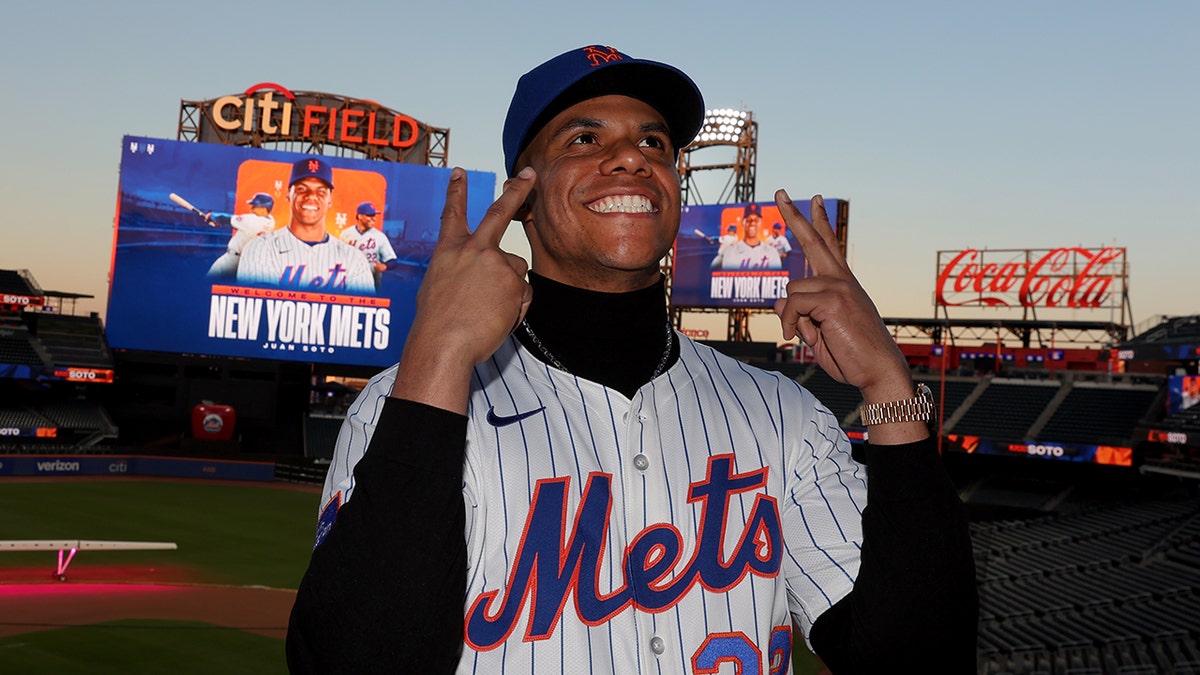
(641, 462)
(657, 645)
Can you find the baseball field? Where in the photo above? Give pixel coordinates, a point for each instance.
(218, 603)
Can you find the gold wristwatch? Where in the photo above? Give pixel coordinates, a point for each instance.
(919, 408)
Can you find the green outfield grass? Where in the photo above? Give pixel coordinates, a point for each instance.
(229, 534)
(136, 647)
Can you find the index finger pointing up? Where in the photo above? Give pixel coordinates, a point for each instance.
(816, 237)
(504, 210)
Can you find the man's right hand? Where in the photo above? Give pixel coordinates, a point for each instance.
(471, 298)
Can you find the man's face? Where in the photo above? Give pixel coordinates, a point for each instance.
(260, 211)
(605, 208)
(753, 223)
(365, 222)
(311, 198)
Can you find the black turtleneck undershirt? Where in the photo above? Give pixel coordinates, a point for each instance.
(579, 328)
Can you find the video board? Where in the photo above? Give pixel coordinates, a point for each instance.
(738, 255)
(216, 253)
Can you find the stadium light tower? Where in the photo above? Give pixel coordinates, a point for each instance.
(722, 128)
(728, 128)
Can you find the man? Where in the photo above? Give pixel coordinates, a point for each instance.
(246, 226)
(558, 482)
(778, 239)
(751, 252)
(302, 255)
(374, 244)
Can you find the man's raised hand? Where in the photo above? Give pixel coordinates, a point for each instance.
(833, 315)
(471, 298)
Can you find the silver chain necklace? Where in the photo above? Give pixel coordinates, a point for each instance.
(662, 363)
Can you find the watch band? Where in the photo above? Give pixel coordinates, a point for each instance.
(916, 409)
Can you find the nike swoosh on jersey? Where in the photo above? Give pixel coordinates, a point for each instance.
(505, 420)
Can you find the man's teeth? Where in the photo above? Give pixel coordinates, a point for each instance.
(622, 204)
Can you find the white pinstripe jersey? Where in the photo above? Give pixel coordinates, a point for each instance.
(280, 259)
(373, 243)
(664, 514)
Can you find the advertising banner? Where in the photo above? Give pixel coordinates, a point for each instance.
(244, 252)
(737, 255)
(135, 465)
(1065, 452)
(1060, 278)
(1183, 392)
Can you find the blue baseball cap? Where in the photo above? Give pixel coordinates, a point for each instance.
(262, 199)
(589, 72)
(311, 167)
(367, 209)
(752, 209)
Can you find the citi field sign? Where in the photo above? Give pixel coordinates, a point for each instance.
(269, 112)
(1059, 278)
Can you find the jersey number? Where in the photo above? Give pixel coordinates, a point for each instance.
(736, 648)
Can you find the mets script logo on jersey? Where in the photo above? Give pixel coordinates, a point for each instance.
(559, 555)
(597, 55)
(294, 277)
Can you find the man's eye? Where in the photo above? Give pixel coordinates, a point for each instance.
(586, 139)
(654, 142)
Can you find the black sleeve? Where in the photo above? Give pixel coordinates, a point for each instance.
(915, 602)
(384, 590)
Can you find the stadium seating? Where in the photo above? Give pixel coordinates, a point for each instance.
(15, 344)
(1005, 409)
(17, 282)
(957, 391)
(1109, 589)
(841, 399)
(1093, 413)
(73, 340)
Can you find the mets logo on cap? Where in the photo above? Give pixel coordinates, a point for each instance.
(311, 167)
(597, 55)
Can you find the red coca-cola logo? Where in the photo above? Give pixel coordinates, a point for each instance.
(1076, 278)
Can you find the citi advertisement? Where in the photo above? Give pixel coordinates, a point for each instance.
(737, 255)
(244, 252)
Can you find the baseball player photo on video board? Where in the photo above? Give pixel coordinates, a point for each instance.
(245, 252)
(737, 255)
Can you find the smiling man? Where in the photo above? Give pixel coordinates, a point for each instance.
(753, 251)
(303, 255)
(554, 480)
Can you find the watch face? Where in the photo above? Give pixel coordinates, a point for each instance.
(926, 393)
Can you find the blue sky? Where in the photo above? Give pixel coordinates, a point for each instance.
(947, 125)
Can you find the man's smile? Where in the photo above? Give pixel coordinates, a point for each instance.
(622, 204)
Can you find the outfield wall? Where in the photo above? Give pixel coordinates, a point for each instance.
(134, 465)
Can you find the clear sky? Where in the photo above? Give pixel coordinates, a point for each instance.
(947, 125)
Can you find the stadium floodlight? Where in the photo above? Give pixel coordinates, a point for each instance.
(723, 126)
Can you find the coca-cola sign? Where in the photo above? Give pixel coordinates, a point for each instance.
(1062, 278)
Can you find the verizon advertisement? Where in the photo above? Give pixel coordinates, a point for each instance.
(238, 251)
(737, 255)
(1059, 278)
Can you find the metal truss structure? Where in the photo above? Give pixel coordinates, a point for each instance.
(722, 128)
(1027, 332)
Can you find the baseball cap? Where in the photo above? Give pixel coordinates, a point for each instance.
(752, 209)
(261, 199)
(589, 72)
(367, 209)
(311, 167)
